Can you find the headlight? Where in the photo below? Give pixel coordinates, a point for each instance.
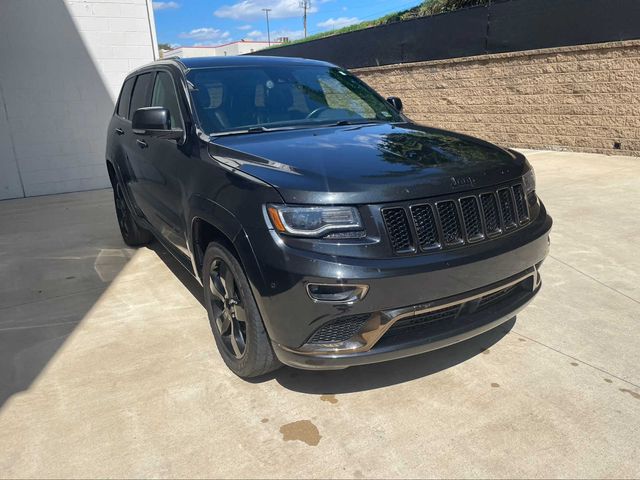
(529, 181)
(313, 221)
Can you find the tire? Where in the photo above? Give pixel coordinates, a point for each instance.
(235, 320)
(132, 233)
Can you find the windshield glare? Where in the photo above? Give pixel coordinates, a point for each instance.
(238, 98)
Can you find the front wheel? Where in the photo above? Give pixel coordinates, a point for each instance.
(234, 317)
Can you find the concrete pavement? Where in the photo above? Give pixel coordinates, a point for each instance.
(108, 367)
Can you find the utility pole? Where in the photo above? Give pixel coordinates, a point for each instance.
(266, 11)
(305, 5)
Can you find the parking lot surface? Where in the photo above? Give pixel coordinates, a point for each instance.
(108, 367)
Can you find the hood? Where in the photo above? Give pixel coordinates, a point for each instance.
(373, 163)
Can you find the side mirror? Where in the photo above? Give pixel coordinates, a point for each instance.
(396, 102)
(154, 122)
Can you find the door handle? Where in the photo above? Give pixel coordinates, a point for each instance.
(142, 143)
(119, 131)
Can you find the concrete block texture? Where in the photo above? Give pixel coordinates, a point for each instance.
(58, 87)
(582, 98)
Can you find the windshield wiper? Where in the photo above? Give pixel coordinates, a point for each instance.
(355, 122)
(244, 131)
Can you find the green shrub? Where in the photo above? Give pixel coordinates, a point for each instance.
(426, 8)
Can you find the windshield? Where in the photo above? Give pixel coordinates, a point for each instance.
(239, 98)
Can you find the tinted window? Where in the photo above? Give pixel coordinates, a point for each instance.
(241, 97)
(164, 95)
(125, 97)
(140, 92)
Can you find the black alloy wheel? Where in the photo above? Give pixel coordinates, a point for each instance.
(235, 319)
(132, 233)
(122, 212)
(229, 314)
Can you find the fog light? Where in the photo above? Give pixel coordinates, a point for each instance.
(320, 292)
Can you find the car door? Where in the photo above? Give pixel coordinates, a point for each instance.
(168, 165)
(120, 130)
(136, 148)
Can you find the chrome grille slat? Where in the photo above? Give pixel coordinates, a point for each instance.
(452, 222)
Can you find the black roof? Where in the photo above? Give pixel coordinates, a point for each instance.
(244, 60)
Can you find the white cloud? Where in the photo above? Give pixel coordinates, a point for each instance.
(165, 5)
(205, 33)
(245, 27)
(255, 34)
(253, 9)
(333, 23)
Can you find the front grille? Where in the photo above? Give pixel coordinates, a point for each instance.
(471, 217)
(506, 207)
(450, 223)
(425, 224)
(339, 330)
(521, 203)
(494, 297)
(397, 225)
(490, 212)
(455, 222)
(444, 319)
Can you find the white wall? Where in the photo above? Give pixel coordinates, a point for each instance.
(235, 48)
(61, 66)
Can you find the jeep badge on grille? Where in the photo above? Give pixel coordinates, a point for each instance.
(462, 182)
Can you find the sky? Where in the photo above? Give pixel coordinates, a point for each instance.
(214, 22)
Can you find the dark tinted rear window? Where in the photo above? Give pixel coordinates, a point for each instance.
(125, 98)
(140, 95)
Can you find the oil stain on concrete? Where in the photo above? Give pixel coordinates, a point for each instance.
(630, 392)
(329, 398)
(302, 430)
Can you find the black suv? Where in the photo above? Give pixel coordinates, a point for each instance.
(326, 228)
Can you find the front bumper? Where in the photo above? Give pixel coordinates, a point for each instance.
(430, 330)
(291, 317)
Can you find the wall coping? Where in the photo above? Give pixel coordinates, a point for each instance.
(497, 56)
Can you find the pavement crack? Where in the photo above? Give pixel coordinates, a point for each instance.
(595, 279)
(577, 359)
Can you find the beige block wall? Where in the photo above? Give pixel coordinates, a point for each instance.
(583, 98)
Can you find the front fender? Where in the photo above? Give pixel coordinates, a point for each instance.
(225, 222)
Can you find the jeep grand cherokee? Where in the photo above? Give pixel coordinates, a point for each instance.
(326, 228)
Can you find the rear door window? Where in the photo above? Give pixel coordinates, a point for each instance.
(125, 98)
(164, 95)
(140, 97)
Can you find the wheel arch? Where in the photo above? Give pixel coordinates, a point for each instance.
(111, 170)
(210, 222)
